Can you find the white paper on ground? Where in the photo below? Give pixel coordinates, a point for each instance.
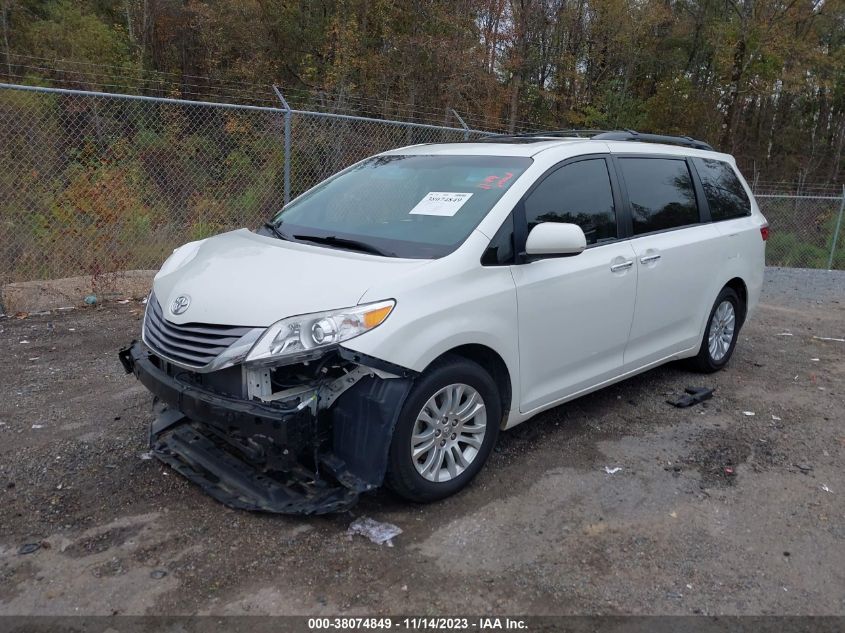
(443, 203)
(376, 531)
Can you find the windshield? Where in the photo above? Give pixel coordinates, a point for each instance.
(402, 206)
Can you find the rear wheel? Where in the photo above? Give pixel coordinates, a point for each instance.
(445, 432)
(721, 333)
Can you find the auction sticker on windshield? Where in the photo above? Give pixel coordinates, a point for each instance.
(443, 203)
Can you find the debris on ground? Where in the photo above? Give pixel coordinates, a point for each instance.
(157, 574)
(145, 456)
(829, 338)
(29, 548)
(90, 300)
(826, 489)
(749, 413)
(378, 532)
(785, 334)
(612, 471)
(693, 395)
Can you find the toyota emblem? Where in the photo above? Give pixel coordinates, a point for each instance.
(180, 304)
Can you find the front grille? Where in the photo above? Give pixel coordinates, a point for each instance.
(191, 344)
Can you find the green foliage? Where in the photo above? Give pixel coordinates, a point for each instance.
(66, 31)
(97, 186)
(119, 184)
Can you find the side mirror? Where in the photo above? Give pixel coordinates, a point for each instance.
(555, 238)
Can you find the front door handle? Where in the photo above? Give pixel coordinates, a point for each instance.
(649, 258)
(615, 268)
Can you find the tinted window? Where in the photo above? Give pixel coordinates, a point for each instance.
(500, 251)
(725, 193)
(661, 193)
(579, 193)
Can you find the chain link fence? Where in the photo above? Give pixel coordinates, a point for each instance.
(806, 231)
(96, 183)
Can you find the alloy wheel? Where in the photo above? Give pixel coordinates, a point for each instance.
(448, 432)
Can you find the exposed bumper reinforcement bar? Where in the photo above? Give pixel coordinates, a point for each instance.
(234, 482)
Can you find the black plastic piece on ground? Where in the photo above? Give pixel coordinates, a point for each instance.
(693, 395)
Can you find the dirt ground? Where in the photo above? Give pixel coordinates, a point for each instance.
(714, 510)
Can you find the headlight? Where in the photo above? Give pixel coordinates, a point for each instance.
(305, 336)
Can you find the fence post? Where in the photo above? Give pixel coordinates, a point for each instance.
(836, 230)
(287, 143)
(461, 121)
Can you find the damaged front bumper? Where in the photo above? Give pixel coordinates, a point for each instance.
(311, 450)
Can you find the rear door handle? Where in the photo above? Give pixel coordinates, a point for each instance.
(615, 268)
(649, 258)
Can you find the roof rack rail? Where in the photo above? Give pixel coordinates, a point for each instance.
(599, 135)
(632, 135)
(524, 136)
(565, 133)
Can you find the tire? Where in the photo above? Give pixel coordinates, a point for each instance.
(706, 361)
(461, 378)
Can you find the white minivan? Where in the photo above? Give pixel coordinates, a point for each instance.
(388, 323)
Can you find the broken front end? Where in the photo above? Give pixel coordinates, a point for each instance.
(304, 432)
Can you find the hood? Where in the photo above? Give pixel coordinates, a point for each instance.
(242, 278)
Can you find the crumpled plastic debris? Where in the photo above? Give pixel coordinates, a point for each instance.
(693, 395)
(378, 532)
(612, 471)
(91, 300)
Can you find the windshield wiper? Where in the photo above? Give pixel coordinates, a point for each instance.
(342, 242)
(278, 232)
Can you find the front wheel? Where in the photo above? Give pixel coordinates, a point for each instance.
(445, 432)
(721, 333)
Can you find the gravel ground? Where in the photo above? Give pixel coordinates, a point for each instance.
(713, 510)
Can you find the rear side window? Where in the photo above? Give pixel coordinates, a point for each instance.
(661, 193)
(578, 193)
(723, 190)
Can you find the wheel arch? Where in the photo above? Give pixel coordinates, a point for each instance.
(492, 362)
(738, 285)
